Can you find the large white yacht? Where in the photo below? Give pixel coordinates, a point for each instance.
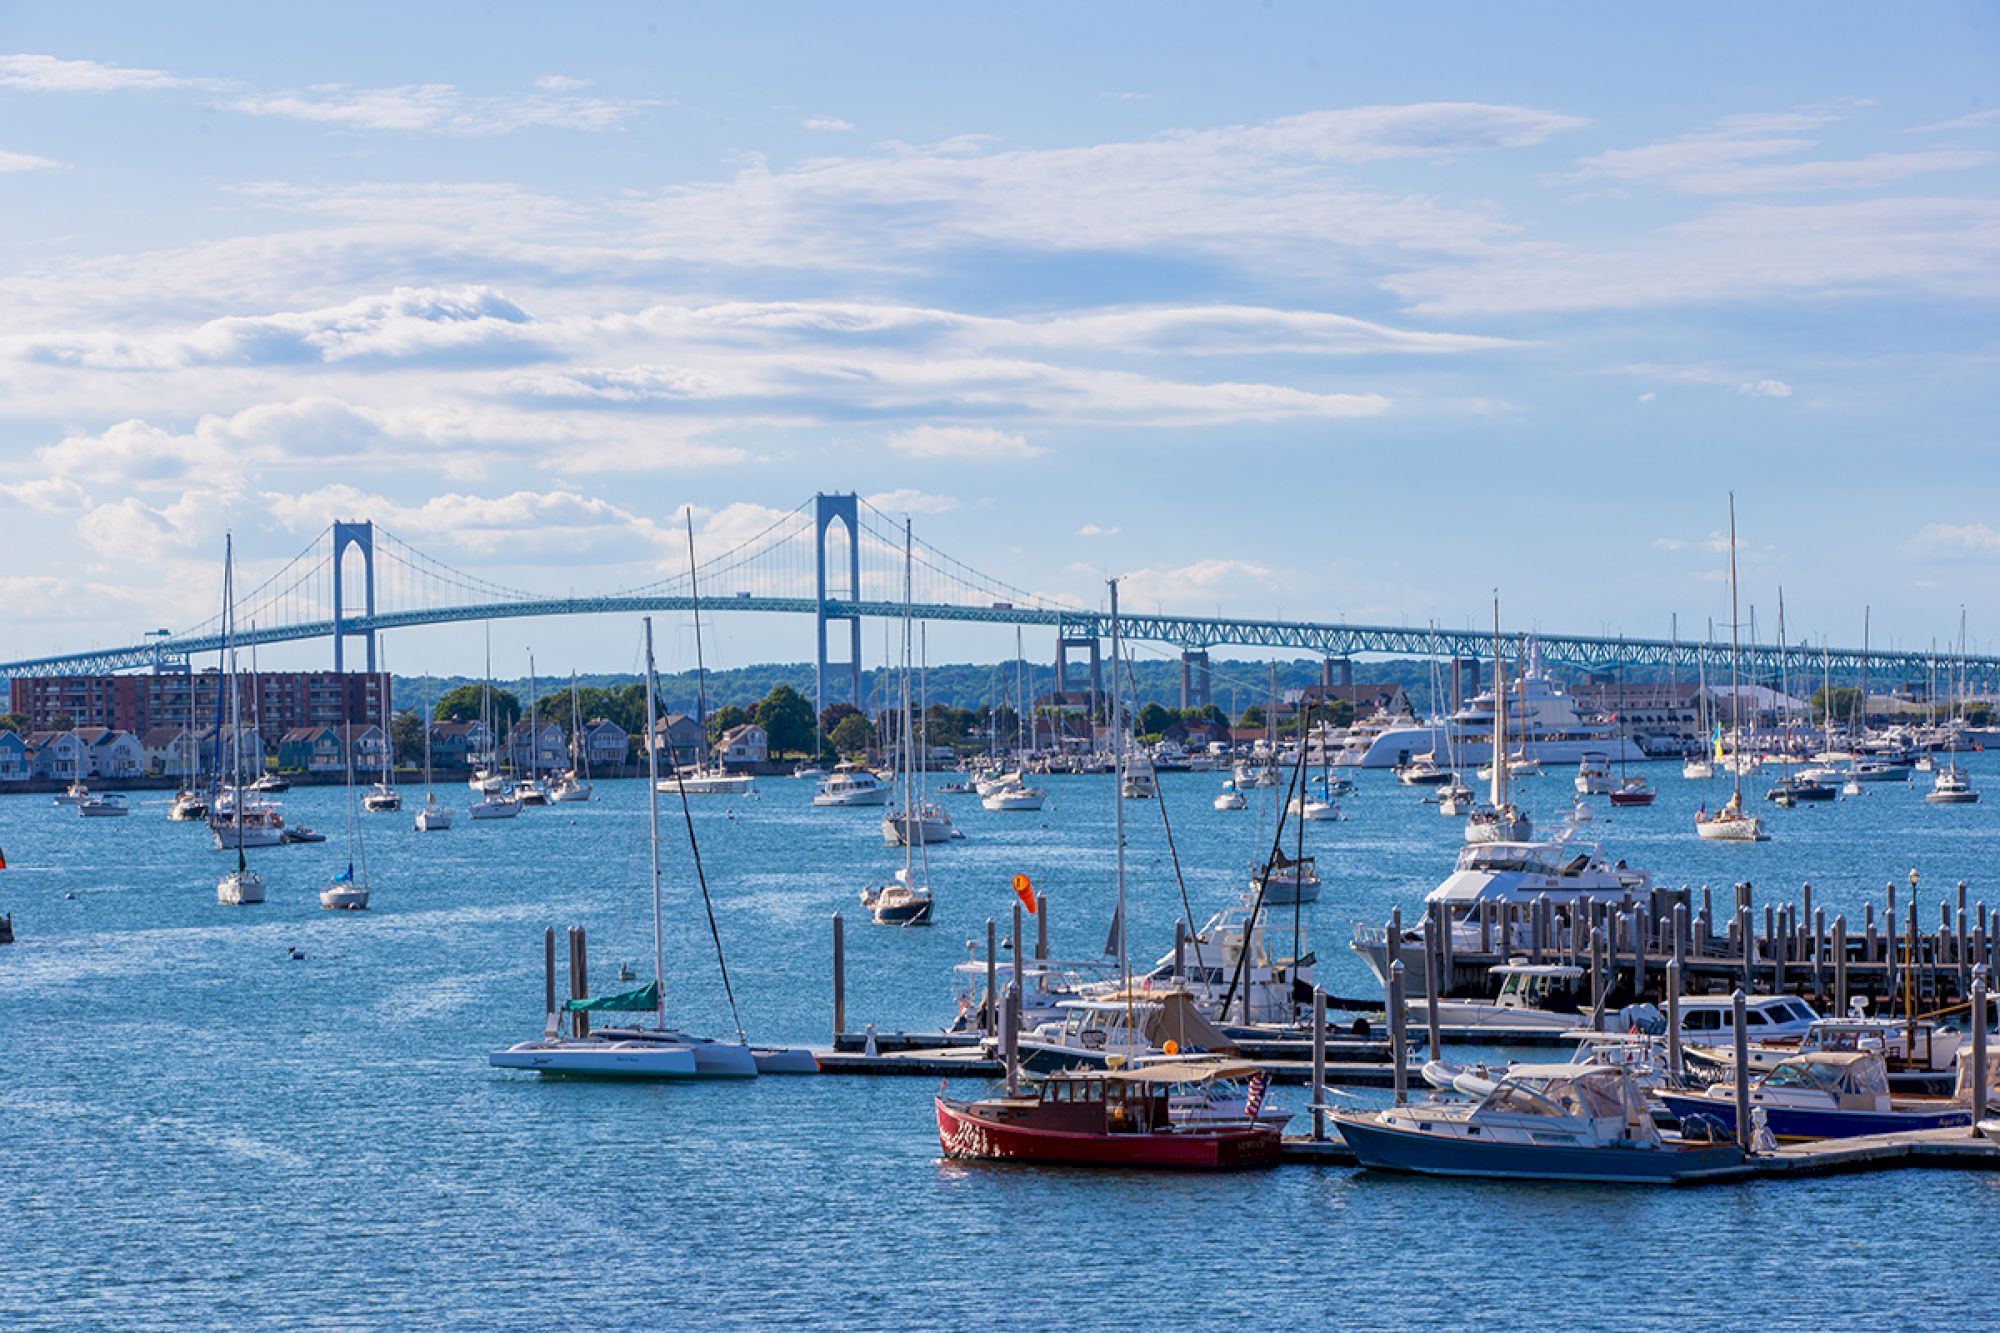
(1543, 724)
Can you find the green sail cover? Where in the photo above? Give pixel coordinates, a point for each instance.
(642, 1001)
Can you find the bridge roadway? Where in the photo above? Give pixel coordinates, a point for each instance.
(1578, 652)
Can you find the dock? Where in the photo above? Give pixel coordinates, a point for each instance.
(970, 1062)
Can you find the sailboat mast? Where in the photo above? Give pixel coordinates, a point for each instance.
(700, 667)
(1498, 787)
(534, 749)
(1020, 698)
(235, 702)
(904, 746)
(1735, 680)
(1118, 793)
(653, 830)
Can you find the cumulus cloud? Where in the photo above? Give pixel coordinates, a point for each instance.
(10, 161)
(1202, 581)
(1956, 539)
(908, 501)
(1092, 530)
(825, 124)
(560, 526)
(967, 443)
(561, 83)
(1765, 389)
(51, 495)
(50, 74)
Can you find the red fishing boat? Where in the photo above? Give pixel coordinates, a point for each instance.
(1157, 1115)
(1633, 791)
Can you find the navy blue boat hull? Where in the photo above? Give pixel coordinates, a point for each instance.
(1383, 1148)
(1787, 1122)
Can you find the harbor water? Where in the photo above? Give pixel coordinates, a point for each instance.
(199, 1129)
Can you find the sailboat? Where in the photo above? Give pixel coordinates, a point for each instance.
(1698, 767)
(382, 798)
(1502, 821)
(435, 817)
(918, 820)
(189, 804)
(241, 886)
(657, 1051)
(904, 902)
(1951, 786)
(575, 784)
(348, 891)
(706, 778)
(497, 799)
(1732, 823)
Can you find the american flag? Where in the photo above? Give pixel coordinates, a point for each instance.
(1253, 1104)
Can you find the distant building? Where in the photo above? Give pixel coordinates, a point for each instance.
(459, 744)
(111, 753)
(539, 749)
(1363, 697)
(169, 751)
(680, 738)
(744, 746)
(604, 745)
(14, 765)
(310, 750)
(216, 747)
(57, 756)
(272, 701)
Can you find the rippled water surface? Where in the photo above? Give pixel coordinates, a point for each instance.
(196, 1131)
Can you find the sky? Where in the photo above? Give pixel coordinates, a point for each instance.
(1308, 311)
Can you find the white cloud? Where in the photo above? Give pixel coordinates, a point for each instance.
(826, 124)
(440, 108)
(23, 162)
(561, 83)
(1203, 581)
(49, 74)
(1957, 539)
(1731, 157)
(558, 526)
(1648, 396)
(1971, 120)
(908, 501)
(1092, 530)
(52, 495)
(967, 443)
(1765, 389)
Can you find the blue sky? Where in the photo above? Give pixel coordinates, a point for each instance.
(1301, 310)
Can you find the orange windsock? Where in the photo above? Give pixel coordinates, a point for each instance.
(1026, 891)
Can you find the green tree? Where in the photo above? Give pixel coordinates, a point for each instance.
(13, 722)
(1253, 716)
(1152, 719)
(725, 717)
(787, 719)
(1845, 702)
(61, 722)
(406, 737)
(830, 716)
(462, 705)
(853, 734)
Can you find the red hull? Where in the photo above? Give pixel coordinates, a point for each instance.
(1632, 797)
(968, 1137)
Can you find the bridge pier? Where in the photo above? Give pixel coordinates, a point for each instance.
(345, 535)
(1194, 678)
(1066, 642)
(845, 510)
(1464, 680)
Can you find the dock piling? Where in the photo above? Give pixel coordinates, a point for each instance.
(1432, 990)
(1180, 950)
(1399, 1032)
(1741, 1038)
(839, 976)
(1042, 930)
(1979, 1071)
(1674, 1018)
(1319, 1065)
(992, 979)
(1010, 1036)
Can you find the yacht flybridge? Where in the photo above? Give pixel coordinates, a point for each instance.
(1552, 730)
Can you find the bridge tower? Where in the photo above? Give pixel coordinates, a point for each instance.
(344, 535)
(1065, 642)
(845, 510)
(1194, 678)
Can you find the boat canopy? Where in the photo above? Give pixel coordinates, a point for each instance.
(1841, 1073)
(1185, 1071)
(1161, 1015)
(644, 1000)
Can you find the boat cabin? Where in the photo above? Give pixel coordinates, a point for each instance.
(1709, 1020)
(1839, 1080)
(1548, 987)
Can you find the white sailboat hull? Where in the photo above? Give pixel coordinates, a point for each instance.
(591, 1058)
(240, 888)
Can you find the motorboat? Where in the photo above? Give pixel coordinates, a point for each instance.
(1139, 1116)
(1424, 771)
(1801, 787)
(1229, 798)
(1544, 725)
(74, 794)
(99, 807)
(1824, 1095)
(382, 799)
(435, 817)
(1288, 882)
(1211, 969)
(810, 772)
(1729, 824)
(254, 824)
(489, 782)
(531, 792)
(1139, 787)
(241, 887)
(986, 782)
(709, 782)
(495, 806)
(1593, 775)
(1014, 797)
(1118, 1025)
(1951, 787)
(1633, 792)
(1534, 1122)
(851, 784)
(1544, 996)
(899, 903)
(1710, 1020)
(271, 784)
(1697, 769)
(1925, 1067)
(188, 806)
(300, 833)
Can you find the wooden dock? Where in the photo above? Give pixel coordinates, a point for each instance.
(969, 1062)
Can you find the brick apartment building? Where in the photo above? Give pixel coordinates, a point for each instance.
(273, 701)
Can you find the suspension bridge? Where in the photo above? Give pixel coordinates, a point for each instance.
(839, 560)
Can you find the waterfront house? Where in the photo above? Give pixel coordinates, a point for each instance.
(14, 765)
(56, 756)
(216, 745)
(369, 746)
(681, 738)
(539, 749)
(168, 751)
(605, 744)
(310, 750)
(459, 744)
(109, 752)
(745, 746)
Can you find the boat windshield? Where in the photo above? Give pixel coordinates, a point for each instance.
(1862, 1076)
(1497, 857)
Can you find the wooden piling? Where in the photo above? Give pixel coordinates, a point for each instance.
(1674, 1018)
(990, 1017)
(1432, 989)
(579, 965)
(1016, 947)
(1180, 951)
(1319, 1066)
(1010, 1036)
(1741, 1038)
(1819, 955)
(839, 976)
(1597, 978)
(1840, 966)
(1042, 930)
(549, 974)
(1399, 1033)
(1748, 943)
(1444, 958)
(1979, 1069)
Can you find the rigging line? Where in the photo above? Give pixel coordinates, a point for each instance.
(1297, 784)
(216, 620)
(701, 878)
(751, 541)
(1160, 799)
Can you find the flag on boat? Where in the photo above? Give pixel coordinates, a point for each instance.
(346, 876)
(1254, 1102)
(1718, 742)
(1026, 891)
(642, 1001)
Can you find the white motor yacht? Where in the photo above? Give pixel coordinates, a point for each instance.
(1544, 726)
(851, 784)
(382, 799)
(98, 807)
(1454, 799)
(1593, 775)
(258, 824)
(495, 806)
(1951, 787)
(709, 782)
(1014, 796)
(1139, 787)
